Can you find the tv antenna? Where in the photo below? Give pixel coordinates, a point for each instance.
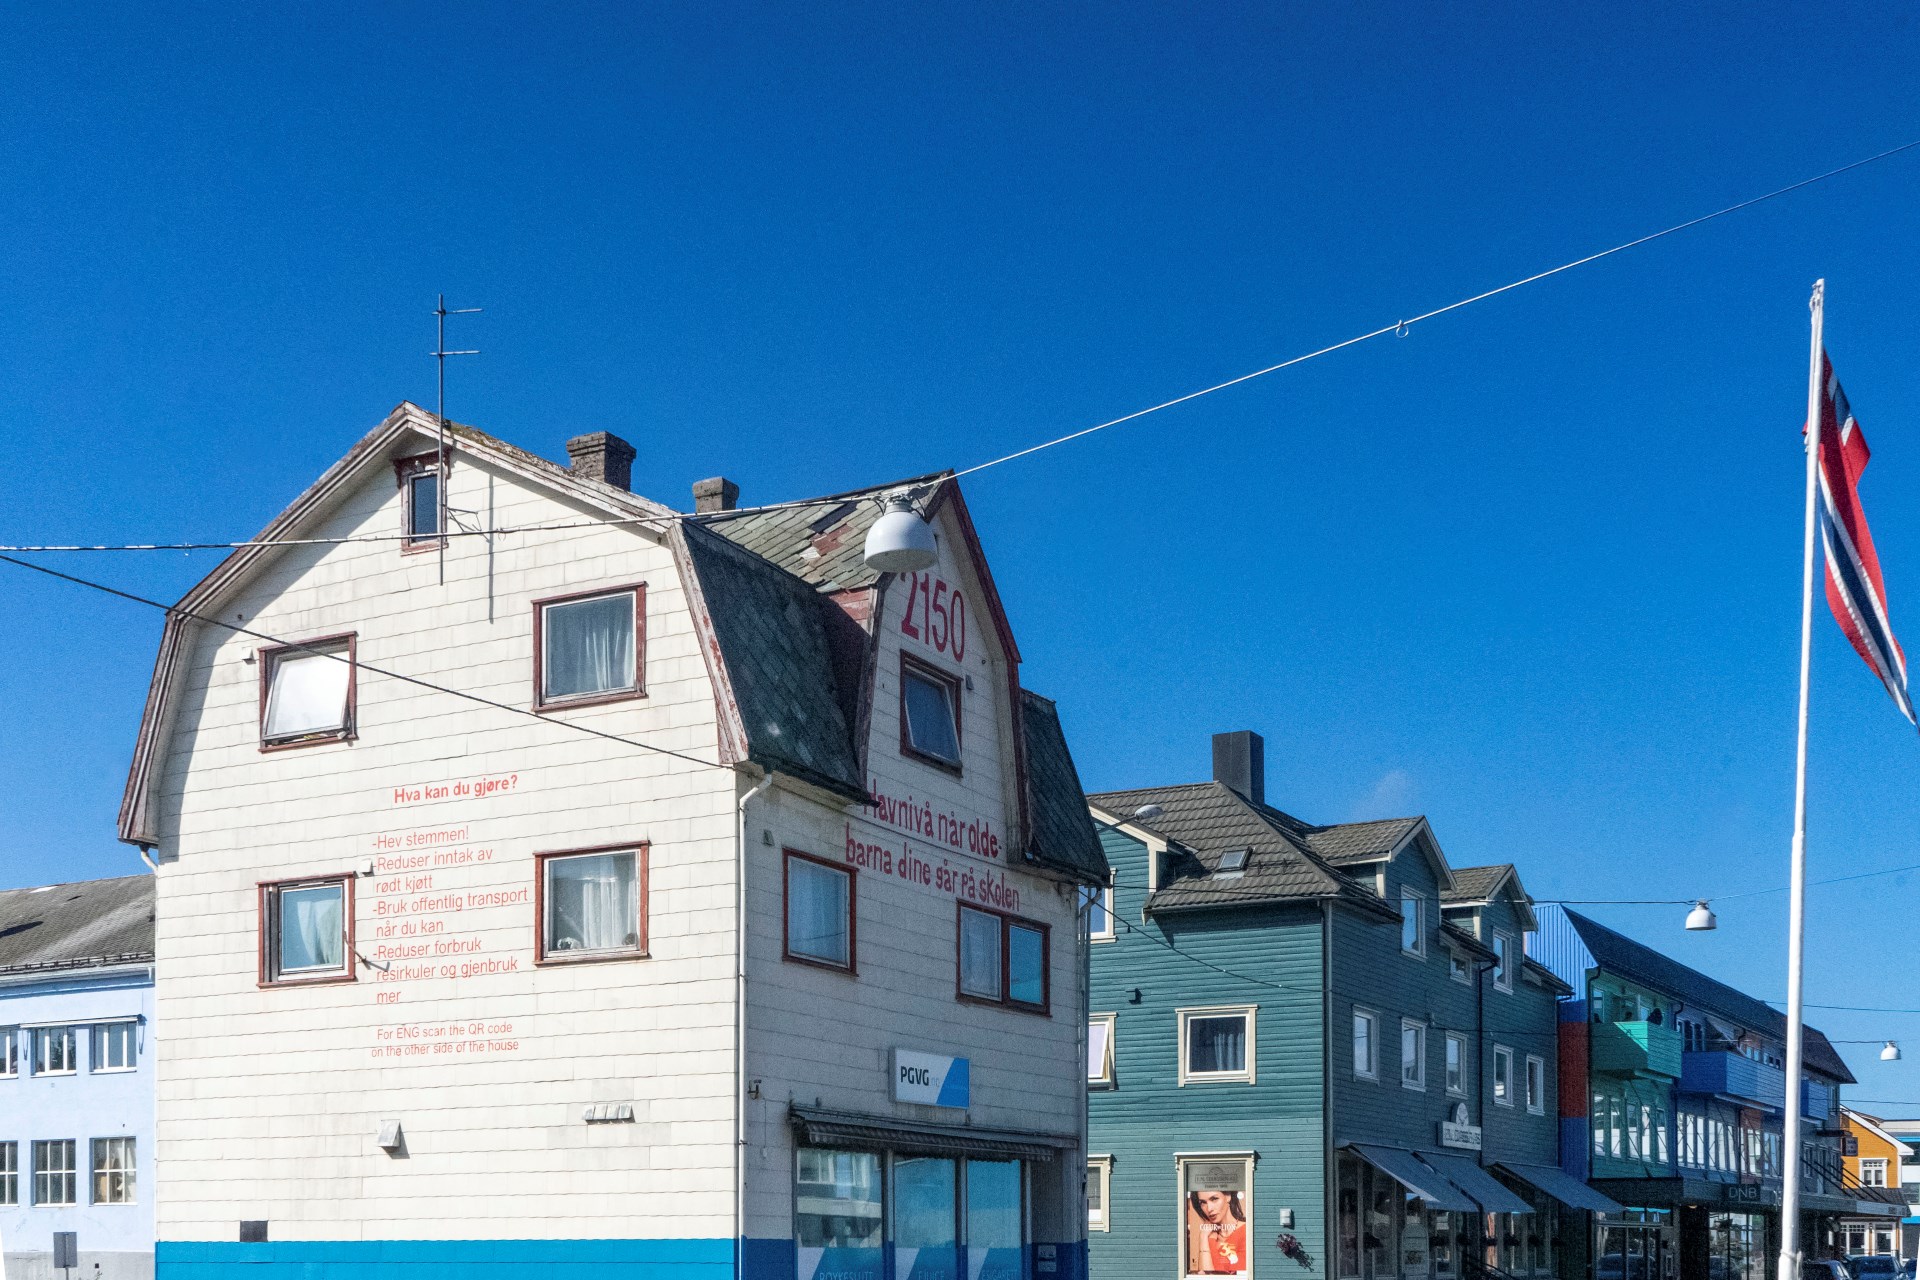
(440, 354)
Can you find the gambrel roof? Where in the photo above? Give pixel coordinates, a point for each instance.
(779, 597)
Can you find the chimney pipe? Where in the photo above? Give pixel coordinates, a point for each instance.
(1240, 761)
(602, 456)
(715, 494)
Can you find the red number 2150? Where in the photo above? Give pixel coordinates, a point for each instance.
(936, 615)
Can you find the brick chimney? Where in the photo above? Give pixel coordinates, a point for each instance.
(716, 494)
(1240, 761)
(602, 456)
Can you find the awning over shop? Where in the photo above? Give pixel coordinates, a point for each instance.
(1416, 1176)
(1562, 1186)
(1478, 1183)
(822, 1128)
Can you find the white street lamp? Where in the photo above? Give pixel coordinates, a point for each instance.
(900, 541)
(1891, 1053)
(1701, 917)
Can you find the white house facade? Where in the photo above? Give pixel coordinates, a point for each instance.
(581, 884)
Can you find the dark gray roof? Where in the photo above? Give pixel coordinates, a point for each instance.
(1208, 819)
(794, 659)
(824, 541)
(1361, 841)
(1063, 835)
(74, 926)
(1473, 884)
(1617, 953)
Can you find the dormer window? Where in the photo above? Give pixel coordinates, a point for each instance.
(588, 647)
(307, 692)
(929, 713)
(1413, 934)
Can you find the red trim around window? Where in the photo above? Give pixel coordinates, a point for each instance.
(639, 690)
(266, 890)
(1007, 923)
(268, 656)
(852, 966)
(926, 670)
(639, 849)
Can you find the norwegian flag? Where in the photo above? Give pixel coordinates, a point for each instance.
(1855, 591)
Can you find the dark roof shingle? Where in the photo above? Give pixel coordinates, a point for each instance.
(76, 926)
(1062, 833)
(1473, 884)
(824, 541)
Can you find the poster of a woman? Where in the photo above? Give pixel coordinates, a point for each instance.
(1216, 1220)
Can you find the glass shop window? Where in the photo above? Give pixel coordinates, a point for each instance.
(926, 1230)
(1218, 1208)
(1347, 1210)
(837, 1221)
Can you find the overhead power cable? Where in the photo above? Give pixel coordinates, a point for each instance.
(236, 628)
(1401, 327)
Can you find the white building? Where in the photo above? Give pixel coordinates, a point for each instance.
(455, 975)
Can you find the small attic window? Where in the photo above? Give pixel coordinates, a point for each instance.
(1235, 859)
(420, 499)
(307, 692)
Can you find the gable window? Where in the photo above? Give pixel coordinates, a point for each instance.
(1456, 1064)
(113, 1170)
(1100, 1049)
(592, 904)
(420, 496)
(53, 1172)
(1003, 960)
(1099, 904)
(115, 1047)
(9, 1052)
(1099, 1175)
(307, 692)
(56, 1051)
(820, 911)
(1502, 962)
(1413, 938)
(1366, 1045)
(1873, 1173)
(588, 647)
(1536, 1084)
(929, 713)
(1413, 1054)
(1502, 1075)
(306, 931)
(1216, 1044)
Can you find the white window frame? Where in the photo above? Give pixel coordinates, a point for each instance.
(97, 1059)
(43, 1176)
(1503, 948)
(1459, 968)
(1878, 1165)
(1418, 902)
(1501, 1053)
(1100, 1169)
(10, 1053)
(1371, 1069)
(635, 687)
(9, 1174)
(1419, 1061)
(1536, 1085)
(1217, 1011)
(1101, 896)
(1180, 1162)
(41, 1037)
(1110, 1021)
(270, 925)
(128, 1171)
(1456, 1088)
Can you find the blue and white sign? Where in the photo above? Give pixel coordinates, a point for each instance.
(931, 1079)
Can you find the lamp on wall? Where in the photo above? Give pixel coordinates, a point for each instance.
(900, 541)
(1701, 917)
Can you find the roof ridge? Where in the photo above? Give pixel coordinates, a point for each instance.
(739, 513)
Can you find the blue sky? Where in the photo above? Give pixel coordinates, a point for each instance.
(1532, 570)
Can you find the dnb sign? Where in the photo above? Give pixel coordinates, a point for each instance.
(931, 1079)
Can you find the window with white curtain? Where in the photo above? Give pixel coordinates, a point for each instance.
(1003, 959)
(981, 955)
(589, 646)
(819, 912)
(306, 924)
(591, 905)
(1216, 1044)
(113, 1171)
(309, 693)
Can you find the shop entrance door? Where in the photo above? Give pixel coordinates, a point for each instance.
(1635, 1251)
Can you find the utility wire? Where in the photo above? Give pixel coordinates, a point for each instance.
(361, 666)
(1402, 327)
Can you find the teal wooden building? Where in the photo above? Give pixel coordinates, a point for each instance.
(1316, 1051)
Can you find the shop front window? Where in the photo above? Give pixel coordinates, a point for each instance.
(1415, 1241)
(1381, 1226)
(1349, 1218)
(926, 1240)
(1218, 1231)
(1440, 1228)
(993, 1220)
(1738, 1245)
(837, 1214)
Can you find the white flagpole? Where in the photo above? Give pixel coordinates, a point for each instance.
(1797, 897)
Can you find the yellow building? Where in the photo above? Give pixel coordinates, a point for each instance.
(1872, 1161)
